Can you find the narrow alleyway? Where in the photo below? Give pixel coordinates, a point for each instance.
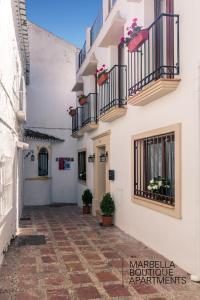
(78, 259)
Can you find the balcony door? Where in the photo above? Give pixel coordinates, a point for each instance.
(164, 56)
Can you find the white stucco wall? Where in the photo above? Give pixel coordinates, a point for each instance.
(176, 239)
(49, 95)
(11, 76)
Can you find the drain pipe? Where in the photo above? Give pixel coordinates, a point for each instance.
(196, 277)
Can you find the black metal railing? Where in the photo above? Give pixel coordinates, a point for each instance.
(89, 110)
(154, 168)
(82, 55)
(76, 120)
(158, 57)
(113, 93)
(96, 27)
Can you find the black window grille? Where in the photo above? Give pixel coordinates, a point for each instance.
(154, 168)
(43, 162)
(82, 165)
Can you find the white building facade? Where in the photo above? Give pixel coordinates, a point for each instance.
(144, 122)
(50, 166)
(14, 75)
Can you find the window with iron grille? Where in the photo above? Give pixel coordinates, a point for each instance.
(82, 165)
(154, 168)
(43, 162)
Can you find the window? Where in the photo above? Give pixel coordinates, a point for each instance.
(156, 168)
(43, 162)
(82, 165)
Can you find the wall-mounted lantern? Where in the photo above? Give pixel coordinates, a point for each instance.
(103, 157)
(32, 157)
(91, 158)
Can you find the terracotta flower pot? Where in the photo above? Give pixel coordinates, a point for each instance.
(102, 79)
(86, 209)
(82, 101)
(72, 112)
(137, 41)
(107, 220)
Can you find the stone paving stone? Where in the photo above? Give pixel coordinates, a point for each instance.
(106, 276)
(80, 260)
(116, 290)
(85, 293)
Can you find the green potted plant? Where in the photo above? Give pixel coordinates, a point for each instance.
(87, 201)
(71, 111)
(107, 208)
(82, 99)
(102, 75)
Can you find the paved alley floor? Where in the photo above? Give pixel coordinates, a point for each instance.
(62, 254)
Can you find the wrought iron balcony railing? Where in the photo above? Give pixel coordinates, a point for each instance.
(158, 57)
(113, 93)
(82, 55)
(89, 110)
(96, 27)
(76, 120)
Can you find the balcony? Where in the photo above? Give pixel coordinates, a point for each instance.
(154, 68)
(96, 27)
(85, 119)
(89, 119)
(76, 123)
(113, 94)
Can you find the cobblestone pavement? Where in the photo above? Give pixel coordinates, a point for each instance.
(80, 260)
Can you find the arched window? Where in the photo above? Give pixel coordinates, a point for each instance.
(43, 162)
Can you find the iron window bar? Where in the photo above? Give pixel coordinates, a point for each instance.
(159, 55)
(154, 160)
(113, 93)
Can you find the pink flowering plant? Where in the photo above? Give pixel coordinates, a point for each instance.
(101, 71)
(132, 32)
(81, 96)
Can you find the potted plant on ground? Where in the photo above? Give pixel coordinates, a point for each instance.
(87, 201)
(102, 75)
(136, 36)
(107, 208)
(71, 111)
(82, 99)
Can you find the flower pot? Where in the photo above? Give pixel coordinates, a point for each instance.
(107, 220)
(138, 40)
(102, 79)
(72, 112)
(82, 101)
(86, 209)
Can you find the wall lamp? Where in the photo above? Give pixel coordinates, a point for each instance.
(91, 158)
(103, 157)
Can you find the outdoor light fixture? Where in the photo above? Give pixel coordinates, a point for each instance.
(103, 157)
(32, 157)
(91, 158)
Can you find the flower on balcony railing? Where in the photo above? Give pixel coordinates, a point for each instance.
(82, 99)
(102, 75)
(136, 36)
(159, 185)
(71, 111)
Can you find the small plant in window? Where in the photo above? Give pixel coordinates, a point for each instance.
(159, 185)
(102, 75)
(82, 99)
(71, 110)
(87, 201)
(136, 36)
(107, 208)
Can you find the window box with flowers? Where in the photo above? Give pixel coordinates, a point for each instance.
(72, 111)
(136, 36)
(102, 75)
(82, 99)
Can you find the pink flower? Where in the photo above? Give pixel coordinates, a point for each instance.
(130, 32)
(104, 66)
(135, 20)
(122, 40)
(134, 25)
(97, 71)
(101, 70)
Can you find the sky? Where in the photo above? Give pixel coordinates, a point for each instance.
(67, 19)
